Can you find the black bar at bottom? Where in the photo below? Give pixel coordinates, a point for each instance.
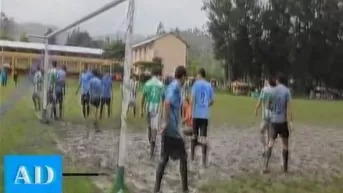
(84, 174)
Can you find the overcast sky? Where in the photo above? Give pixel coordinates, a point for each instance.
(173, 13)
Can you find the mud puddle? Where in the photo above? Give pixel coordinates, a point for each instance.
(233, 152)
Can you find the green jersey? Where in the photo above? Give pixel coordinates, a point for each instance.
(52, 79)
(264, 97)
(153, 91)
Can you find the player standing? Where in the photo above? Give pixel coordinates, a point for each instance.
(84, 85)
(153, 94)
(263, 101)
(106, 95)
(133, 86)
(201, 100)
(95, 89)
(60, 89)
(281, 117)
(173, 145)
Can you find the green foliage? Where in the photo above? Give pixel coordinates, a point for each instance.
(114, 50)
(52, 40)
(82, 39)
(302, 39)
(24, 38)
(7, 27)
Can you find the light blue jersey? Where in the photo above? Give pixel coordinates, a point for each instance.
(173, 96)
(61, 75)
(280, 96)
(84, 80)
(106, 86)
(202, 95)
(95, 88)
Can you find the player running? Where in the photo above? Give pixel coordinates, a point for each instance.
(52, 81)
(106, 94)
(133, 86)
(95, 89)
(173, 145)
(85, 77)
(60, 89)
(202, 99)
(263, 101)
(281, 116)
(153, 94)
(37, 89)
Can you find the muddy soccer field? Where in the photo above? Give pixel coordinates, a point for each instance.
(235, 150)
(234, 156)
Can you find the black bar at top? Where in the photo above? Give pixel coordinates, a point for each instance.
(84, 174)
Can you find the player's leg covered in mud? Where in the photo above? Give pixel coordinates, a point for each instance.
(203, 140)
(172, 147)
(194, 141)
(95, 102)
(148, 117)
(264, 133)
(273, 133)
(285, 140)
(102, 103)
(154, 126)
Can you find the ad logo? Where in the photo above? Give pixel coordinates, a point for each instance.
(33, 174)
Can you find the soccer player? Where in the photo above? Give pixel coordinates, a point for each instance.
(153, 94)
(133, 86)
(173, 145)
(281, 116)
(95, 89)
(106, 94)
(52, 80)
(263, 101)
(85, 77)
(37, 89)
(15, 76)
(60, 89)
(202, 99)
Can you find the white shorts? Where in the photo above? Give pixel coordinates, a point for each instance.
(154, 121)
(132, 102)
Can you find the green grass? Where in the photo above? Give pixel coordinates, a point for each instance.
(22, 134)
(4, 91)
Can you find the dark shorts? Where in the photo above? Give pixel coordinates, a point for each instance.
(95, 102)
(277, 129)
(85, 99)
(51, 97)
(59, 97)
(106, 101)
(173, 147)
(200, 127)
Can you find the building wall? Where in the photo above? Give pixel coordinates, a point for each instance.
(173, 52)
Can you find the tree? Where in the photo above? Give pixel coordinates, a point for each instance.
(115, 50)
(302, 39)
(83, 39)
(24, 38)
(7, 27)
(52, 40)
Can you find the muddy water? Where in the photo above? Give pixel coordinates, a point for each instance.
(233, 152)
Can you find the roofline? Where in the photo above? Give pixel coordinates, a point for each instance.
(58, 48)
(153, 39)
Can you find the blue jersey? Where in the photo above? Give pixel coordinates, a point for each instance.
(84, 80)
(106, 87)
(280, 96)
(95, 88)
(61, 75)
(202, 95)
(173, 96)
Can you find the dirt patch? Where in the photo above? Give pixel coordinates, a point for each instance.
(315, 152)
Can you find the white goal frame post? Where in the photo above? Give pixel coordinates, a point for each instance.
(118, 185)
